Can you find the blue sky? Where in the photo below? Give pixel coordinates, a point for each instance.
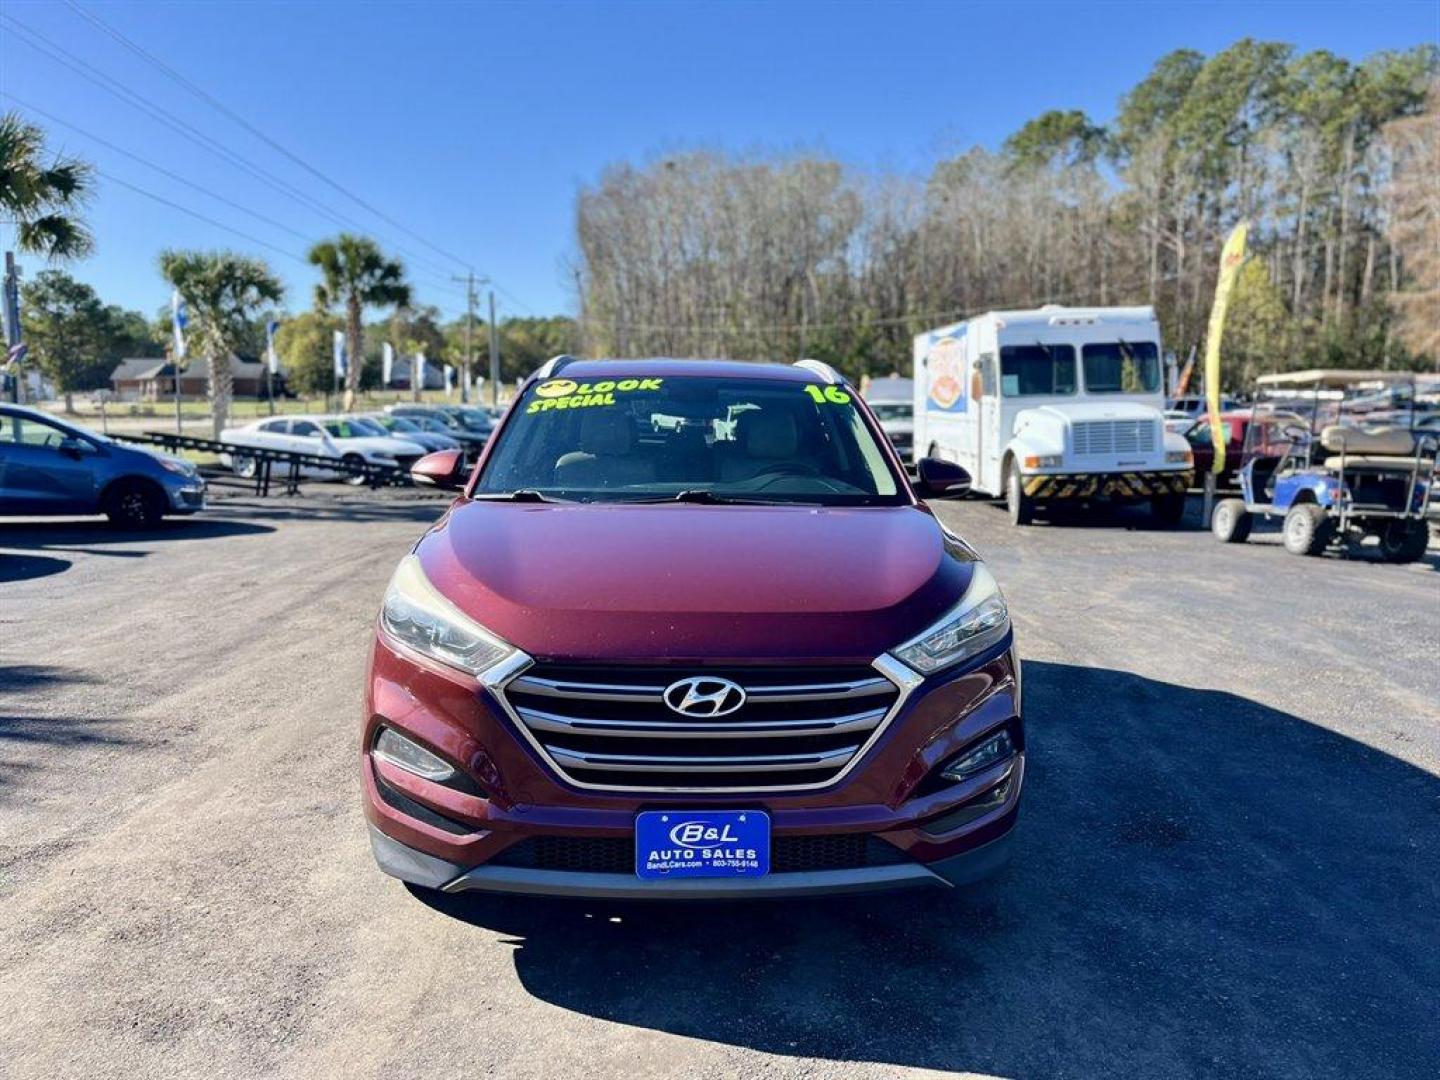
(474, 126)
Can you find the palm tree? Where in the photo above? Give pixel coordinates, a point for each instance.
(41, 199)
(356, 276)
(224, 292)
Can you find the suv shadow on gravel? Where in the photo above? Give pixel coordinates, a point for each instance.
(1205, 886)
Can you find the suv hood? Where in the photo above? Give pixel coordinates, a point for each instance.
(697, 583)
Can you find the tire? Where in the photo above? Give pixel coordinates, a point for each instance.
(1308, 530)
(1231, 521)
(134, 504)
(1168, 510)
(1020, 505)
(354, 479)
(243, 465)
(1404, 541)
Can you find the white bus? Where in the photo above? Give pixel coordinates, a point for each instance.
(1053, 404)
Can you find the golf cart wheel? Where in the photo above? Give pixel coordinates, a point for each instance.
(134, 505)
(1404, 541)
(1231, 521)
(1020, 505)
(1308, 530)
(244, 466)
(1168, 510)
(354, 479)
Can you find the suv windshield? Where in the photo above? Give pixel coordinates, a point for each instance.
(1121, 367)
(691, 438)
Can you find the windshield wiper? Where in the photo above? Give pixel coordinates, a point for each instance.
(705, 496)
(519, 495)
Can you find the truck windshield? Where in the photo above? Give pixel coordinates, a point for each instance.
(1121, 367)
(1037, 370)
(697, 439)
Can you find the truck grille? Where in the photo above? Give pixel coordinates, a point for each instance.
(1094, 437)
(609, 727)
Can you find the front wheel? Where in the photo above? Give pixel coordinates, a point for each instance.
(1404, 541)
(1020, 505)
(1308, 530)
(243, 465)
(354, 479)
(134, 505)
(1231, 521)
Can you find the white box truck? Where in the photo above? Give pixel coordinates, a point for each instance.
(1056, 404)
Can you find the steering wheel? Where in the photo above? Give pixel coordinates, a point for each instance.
(787, 468)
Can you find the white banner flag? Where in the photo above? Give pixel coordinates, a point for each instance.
(342, 359)
(270, 354)
(387, 363)
(449, 379)
(420, 371)
(179, 319)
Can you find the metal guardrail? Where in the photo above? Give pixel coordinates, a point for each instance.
(291, 462)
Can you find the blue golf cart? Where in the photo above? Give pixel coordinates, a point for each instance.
(1337, 455)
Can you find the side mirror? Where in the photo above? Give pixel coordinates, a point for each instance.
(940, 479)
(72, 447)
(443, 469)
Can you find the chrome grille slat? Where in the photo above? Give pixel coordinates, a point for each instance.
(688, 764)
(1091, 437)
(608, 728)
(536, 720)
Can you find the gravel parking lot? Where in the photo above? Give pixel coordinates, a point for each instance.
(1228, 864)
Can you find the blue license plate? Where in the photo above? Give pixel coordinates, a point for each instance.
(702, 843)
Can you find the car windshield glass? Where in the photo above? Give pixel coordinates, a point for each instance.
(892, 410)
(1037, 370)
(370, 427)
(347, 429)
(1121, 367)
(694, 439)
(398, 423)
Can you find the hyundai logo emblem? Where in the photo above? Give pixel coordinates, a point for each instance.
(702, 696)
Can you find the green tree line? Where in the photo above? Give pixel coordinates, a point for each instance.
(781, 256)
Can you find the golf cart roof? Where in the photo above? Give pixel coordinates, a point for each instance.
(1334, 377)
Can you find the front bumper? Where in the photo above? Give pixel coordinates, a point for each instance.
(438, 837)
(186, 498)
(1122, 485)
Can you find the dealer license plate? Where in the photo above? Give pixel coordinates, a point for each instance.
(702, 843)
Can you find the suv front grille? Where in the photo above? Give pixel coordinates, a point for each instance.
(616, 854)
(609, 727)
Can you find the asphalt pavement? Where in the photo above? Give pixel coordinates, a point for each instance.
(1228, 864)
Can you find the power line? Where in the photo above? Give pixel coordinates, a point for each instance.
(225, 110)
(90, 73)
(158, 168)
(202, 217)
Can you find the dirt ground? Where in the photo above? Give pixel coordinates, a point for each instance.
(1228, 864)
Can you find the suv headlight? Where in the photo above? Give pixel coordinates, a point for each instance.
(979, 621)
(418, 617)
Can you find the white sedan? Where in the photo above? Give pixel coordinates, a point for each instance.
(322, 436)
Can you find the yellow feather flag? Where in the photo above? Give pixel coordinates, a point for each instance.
(1231, 257)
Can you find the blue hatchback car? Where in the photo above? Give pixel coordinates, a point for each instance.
(50, 467)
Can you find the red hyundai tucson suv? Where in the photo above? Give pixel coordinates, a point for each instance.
(689, 631)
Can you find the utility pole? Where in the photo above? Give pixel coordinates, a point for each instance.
(494, 355)
(471, 299)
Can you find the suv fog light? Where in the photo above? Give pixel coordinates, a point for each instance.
(1178, 457)
(395, 748)
(1047, 461)
(977, 759)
